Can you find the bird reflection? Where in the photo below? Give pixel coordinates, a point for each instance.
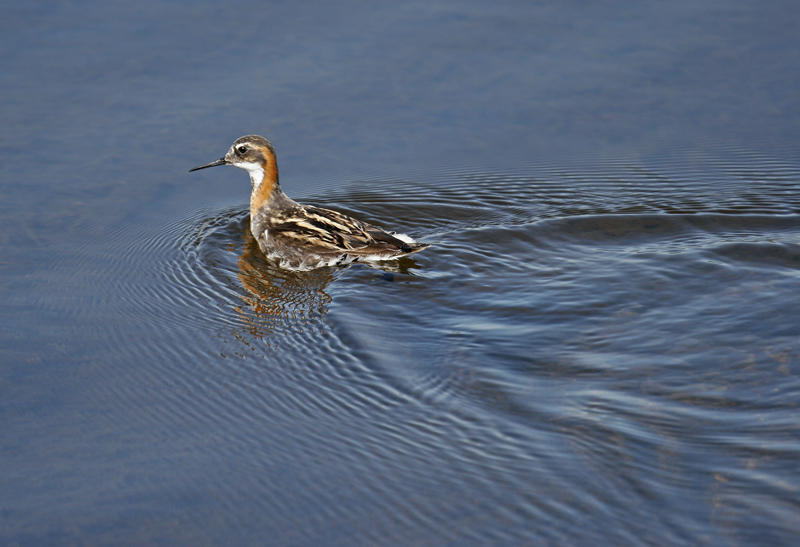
(275, 297)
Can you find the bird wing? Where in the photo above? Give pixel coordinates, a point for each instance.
(331, 231)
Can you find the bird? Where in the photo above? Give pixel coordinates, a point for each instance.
(304, 237)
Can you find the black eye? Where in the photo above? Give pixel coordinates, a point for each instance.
(241, 149)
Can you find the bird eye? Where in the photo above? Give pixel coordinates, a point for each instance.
(242, 149)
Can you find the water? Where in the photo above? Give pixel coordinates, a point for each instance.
(600, 346)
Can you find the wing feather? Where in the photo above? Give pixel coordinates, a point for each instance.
(331, 232)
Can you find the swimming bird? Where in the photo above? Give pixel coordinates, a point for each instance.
(304, 237)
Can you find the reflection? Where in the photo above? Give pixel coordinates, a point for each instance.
(276, 297)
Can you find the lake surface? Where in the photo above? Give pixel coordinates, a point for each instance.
(602, 344)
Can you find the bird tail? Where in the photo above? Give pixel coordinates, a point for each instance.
(415, 247)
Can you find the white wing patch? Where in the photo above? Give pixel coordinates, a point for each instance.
(403, 237)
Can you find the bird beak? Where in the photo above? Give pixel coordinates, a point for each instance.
(221, 161)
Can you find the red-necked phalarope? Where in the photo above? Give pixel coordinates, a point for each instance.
(304, 237)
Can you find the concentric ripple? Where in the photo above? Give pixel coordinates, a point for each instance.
(614, 339)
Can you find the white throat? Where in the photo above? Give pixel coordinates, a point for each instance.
(255, 171)
(256, 176)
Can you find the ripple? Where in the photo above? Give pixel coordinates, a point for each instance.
(578, 336)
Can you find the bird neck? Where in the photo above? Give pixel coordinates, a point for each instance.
(264, 184)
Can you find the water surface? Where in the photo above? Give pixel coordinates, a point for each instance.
(601, 345)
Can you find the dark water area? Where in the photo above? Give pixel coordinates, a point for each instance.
(602, 344)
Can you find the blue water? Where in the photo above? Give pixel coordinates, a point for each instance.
(602, 344)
